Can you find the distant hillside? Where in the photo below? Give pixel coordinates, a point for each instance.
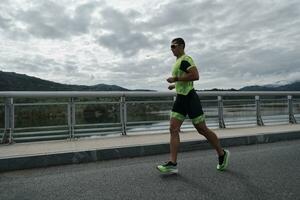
(287, 87)
(11, 81)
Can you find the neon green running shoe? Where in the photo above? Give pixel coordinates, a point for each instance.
(168, 168)
(223, 161)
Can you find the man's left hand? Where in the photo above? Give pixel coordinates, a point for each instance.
(171, 79)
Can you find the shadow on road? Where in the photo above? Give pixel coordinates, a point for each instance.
(233, 181)
(186, 183)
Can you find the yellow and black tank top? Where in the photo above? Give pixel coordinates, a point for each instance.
(180, 68)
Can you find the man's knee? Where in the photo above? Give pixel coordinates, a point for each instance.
(201, 128)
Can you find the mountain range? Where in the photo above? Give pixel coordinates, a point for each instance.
(295, 86)
(11, 81)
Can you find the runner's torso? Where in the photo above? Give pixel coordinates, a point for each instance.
(181, 66)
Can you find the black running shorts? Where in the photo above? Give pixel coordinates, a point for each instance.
(188, 105)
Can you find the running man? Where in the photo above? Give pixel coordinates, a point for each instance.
(187, 103)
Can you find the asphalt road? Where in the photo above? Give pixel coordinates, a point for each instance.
(266, 171)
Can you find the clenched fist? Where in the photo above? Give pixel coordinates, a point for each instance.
(171, 87)
(172, 79)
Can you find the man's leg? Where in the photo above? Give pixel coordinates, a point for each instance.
(210, 136)
(214, 141)
(175, 125)
(171, 166)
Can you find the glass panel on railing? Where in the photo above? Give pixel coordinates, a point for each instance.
(274, 110)
(40, 120)
(239, 111)
(2, 116)
(148, 114)
(31, 115)
(210, 109)
(139, 111)
(2, 120)
(97, 113)
(296, 108)
(97, 117)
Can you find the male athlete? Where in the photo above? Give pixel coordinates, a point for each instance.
(187, 103)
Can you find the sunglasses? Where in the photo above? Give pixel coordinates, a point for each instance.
(173, 46)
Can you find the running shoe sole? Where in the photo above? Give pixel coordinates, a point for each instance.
(163, 170)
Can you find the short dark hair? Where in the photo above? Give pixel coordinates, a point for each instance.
(179, 41)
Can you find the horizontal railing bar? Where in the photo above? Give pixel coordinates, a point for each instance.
(40, 127)
(141, 102)
(231, 109)
(139, 94)
(40, 132)
(276, 120)
(97, 129)
(283, 116)
(158, 128)
(209, 101)
(41, 137)
(148, 130)
(274, 104)
(39, 104)
(238, 100)
(97, 134)
(95, 102)
(83, 94)
(240, 105)
(152, 125)
(241, 120)
(146, 122)
(167, 101)
(99, 124)
(145, 128)
(262, 99)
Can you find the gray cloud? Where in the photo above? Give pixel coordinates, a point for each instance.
(146, 74)
(234, 43)
(30, 64)
(123, 37)
(127, 45)
(4, 22)
(49, 20)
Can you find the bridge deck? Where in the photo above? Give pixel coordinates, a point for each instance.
(52, 147)
(43, 154)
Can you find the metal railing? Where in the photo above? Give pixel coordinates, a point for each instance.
(123, 113)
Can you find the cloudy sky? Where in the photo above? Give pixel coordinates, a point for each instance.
(234, 43)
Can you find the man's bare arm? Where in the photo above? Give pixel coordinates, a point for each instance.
(191, 75)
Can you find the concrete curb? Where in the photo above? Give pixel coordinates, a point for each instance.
(37, 161)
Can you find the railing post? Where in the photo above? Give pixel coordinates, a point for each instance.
(9, 121)
(123, 114)
(71, 117)
(259, 120)
(220, 112)
(292, 119)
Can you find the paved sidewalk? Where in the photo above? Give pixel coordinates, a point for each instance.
(43, 154)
